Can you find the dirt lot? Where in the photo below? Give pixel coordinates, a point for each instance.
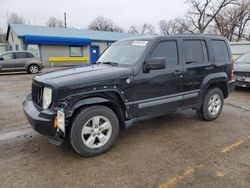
(177, 150)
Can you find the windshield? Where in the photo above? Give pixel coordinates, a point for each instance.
(123, 52)
(243, 59)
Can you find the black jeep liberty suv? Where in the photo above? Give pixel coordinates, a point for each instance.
(134, 79)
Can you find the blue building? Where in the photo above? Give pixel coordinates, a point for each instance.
(64, 45)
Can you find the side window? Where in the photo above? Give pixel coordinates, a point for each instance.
(7, 56)
(167, 49)
(193, 51)
(20, 55)
(220, 51)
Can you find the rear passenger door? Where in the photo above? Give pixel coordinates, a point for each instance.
(20, 60)
(197, 66)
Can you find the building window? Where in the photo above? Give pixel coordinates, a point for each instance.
(75, 51)
(17, 47)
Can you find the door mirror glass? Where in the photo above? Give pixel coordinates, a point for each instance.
(1, 59)
(155, 63)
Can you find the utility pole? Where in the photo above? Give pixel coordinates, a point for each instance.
(65, 20)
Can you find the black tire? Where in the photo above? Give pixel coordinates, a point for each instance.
(80, 120)
(33, 69)
(210, 115)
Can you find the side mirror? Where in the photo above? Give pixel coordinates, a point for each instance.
(1, 59)
(154, 64)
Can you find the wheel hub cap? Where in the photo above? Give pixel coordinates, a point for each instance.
(214, 104)
(96, 132)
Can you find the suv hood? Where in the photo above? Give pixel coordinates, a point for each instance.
(83, 75)
(242, 67)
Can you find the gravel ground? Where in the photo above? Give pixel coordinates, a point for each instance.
(176, 150)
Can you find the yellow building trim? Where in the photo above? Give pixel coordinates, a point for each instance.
(57, 59)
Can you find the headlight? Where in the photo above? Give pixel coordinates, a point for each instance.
(47, 97)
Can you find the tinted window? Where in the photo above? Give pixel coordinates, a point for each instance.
(193, 51)
(20, 55)
(220, 51)
(30, 55)
(7, 56)
(243, 59)
(167, 49)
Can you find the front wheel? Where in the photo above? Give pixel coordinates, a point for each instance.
(94, 130)
(212, 105)
(33, 69)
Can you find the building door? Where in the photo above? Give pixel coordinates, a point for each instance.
(94, 54)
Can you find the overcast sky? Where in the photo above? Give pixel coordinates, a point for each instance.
(81, 12)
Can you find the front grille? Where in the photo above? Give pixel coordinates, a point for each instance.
(244, 74)
(37, 95)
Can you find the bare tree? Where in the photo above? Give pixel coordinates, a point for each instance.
(15, 19)
(2, 36)
(54, 22)
(175, 26)
(232, 21)
(145, 29)
(104, 24)
(203, 12)
(133, 29)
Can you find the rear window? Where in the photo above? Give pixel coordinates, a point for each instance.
(30, 55)
(195, 51)
(20, 55)
(220, 51)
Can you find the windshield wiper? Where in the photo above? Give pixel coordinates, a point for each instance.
(108, 63)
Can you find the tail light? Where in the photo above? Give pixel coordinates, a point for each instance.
(232, 71)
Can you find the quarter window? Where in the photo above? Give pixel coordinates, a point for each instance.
(168, 50)
(193, 51)
(220, 51)
(75, 51)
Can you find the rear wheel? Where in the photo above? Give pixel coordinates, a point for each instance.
(33, 69)
(94, 130)
(212, 105)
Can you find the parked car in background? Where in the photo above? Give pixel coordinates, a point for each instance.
(14, 61)
(242, 71)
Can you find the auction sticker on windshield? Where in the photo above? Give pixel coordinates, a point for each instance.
(140, 43)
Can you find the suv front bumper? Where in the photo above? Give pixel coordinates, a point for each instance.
(41, 121)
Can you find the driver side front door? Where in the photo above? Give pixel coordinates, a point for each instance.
(160, 91)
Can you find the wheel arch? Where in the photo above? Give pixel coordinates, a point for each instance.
(110, 99)
(219, 80)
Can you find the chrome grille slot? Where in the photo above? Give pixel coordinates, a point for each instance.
(37, 95)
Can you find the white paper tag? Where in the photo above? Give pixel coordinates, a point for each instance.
(140, 43)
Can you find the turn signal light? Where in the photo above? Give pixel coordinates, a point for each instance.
(56, 123)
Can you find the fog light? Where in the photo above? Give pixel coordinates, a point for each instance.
(61, 120)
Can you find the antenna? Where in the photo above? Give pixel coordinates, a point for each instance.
(65, 20)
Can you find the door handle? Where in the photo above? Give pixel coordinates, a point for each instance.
(177, 72)
(209, 68)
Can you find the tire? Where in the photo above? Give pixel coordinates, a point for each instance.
(94, 131)
(212, 105)
(33, 69)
